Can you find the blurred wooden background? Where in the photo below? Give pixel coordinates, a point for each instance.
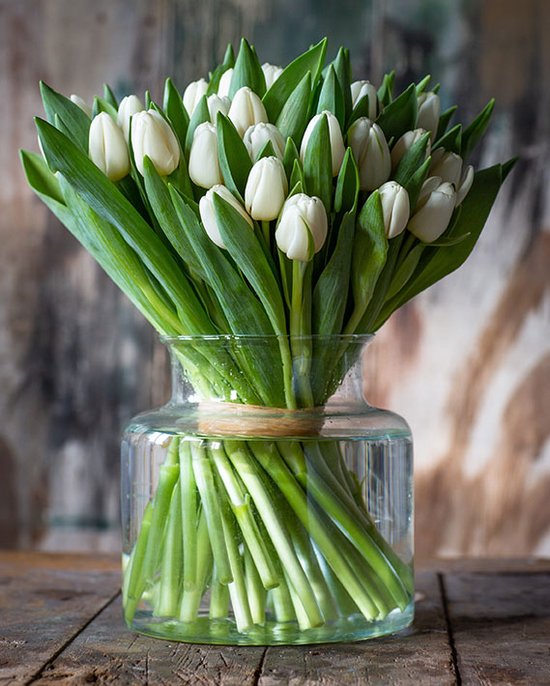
(468, 363)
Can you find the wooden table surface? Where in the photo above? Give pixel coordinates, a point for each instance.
(478, 622)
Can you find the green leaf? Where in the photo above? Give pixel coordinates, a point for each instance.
(347, 185)
(385, 92)
(444, 120)
(422, 85)
(414, 184)
(508, 166)
(40, 178)
(447, 242)
(451, 141)
(200, 115)
(473, 133)
(361, 109)
(109, 96)
(400, 115)
(175, 111)
(267, 151)
(229, 57)
(247, 71)
(293, 117)
(405, 271)
(279, 93)
(318, 163)
(412, 160)
(244, 247)
(291, 154)
(101, 105)
(235, 163)
(73, 118)
(297, 178)
(107, 201)
(331, 97)
(369, 251)
(437, 263)
(342, 67)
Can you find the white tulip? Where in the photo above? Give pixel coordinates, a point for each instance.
(303, 221)
(395, 208)
(217, 104)
(246, 110)
(465, 184)
(204, 166)
(129, 106)
(336, 140)
(153, 136)
(405, 143)
(82, 104)
(225, 83)
(266, 189)
(434, 209)
(193, 93)
(257, 136)
(361, 88)
(107, 147)
(208, 213)
(446, 165)
(371, 153)
(429, 109)
(271, 73)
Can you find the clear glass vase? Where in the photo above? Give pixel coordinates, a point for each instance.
(267, 503)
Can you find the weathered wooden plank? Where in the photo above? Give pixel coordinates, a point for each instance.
(500, 626)
(45, 600)
(421, 655)
(106, 652)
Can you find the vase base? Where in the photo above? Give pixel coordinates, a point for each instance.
(224, 631)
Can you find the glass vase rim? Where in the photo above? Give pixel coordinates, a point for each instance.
(168, 339)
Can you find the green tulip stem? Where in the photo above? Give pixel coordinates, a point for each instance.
(300, 330)
(192, 596)
(172, 560)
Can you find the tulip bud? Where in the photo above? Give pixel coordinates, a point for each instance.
(361, 88)
(217, 104)
(395, 208)
(465, 184)
(82, 104)
(446, 165)
(204, 166)
(434, 209)
(107, 147)
(208, 213)
(271, 73)
(266, 189)
(429, 108)
(246, 110)
(303, 222)
(336, 141)
(371, 152)
(257, 136)
(129, 106)
(153, 136)
(225, 83)
(193, 94)
(404, 143)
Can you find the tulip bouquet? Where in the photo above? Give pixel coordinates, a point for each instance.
(293, 203)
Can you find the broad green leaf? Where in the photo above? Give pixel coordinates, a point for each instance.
(291, 154)
(40, 178)
(451, 141)
(414, 184)
(267, 151)
(279, 93)
(508, 166)
(101, 105)
(369, 251)
(229, 57)
(361, 109)
(385, 92)
(109, 96)
(436, 263)
(342, 67)
(244, 247)
(175, 111)
(73, 118)
(318, 163)
(200, 115)
(297, 178)
(347, 185)
(473, 133)
(247, 71)
(444, 120)
(400, 115)
(447, 242)
(405, 270)
(293, 116)
(412, 160)
(107, 201)
(422, 85)
(235, 163)
(331, 97)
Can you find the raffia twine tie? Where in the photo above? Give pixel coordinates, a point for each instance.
(234, 420)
